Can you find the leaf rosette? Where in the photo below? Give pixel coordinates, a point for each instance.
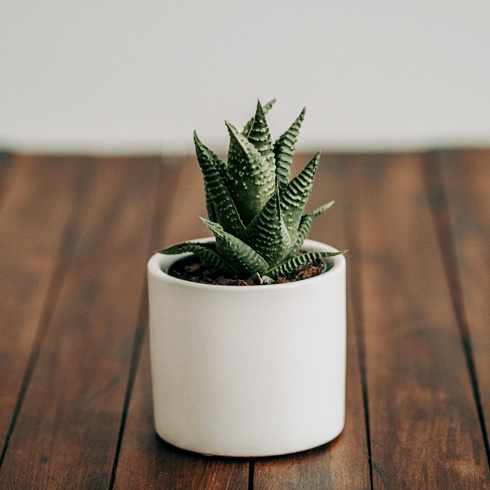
(255, 211)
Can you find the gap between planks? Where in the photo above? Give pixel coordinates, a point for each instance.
(70, 233)
(64, 256)
(438, 198)
(351, 222)
(155, 237)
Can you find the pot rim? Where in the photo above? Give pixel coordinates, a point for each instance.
(336, 264)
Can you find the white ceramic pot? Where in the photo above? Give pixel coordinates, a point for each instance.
(248, 370)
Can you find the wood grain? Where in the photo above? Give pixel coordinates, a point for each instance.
(75, 394)
(463, 181)
(343, 463)
(145, 460)
(423, 419)
(38, 211)
(67, 429)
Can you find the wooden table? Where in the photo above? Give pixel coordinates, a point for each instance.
(75, 398)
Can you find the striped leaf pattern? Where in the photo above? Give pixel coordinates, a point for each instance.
(296, 194)
(255, 212)
(266, 108)
(245, 260)
(305, 227)
(251, 178)
(260, 136)
(221, 206)
(205, 251)
(296, 263)
(267, 234)
(284, 149)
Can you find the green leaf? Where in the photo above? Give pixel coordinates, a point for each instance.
(305, 227)
(284, 149)
(205, 251)
(266, 108)
(295, 195)
(260, 136)
(267, 234)
(245, 260)
(321, 209)
(296, 263)
(251, 178)
(218, 199)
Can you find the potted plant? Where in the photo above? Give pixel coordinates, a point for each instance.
(251, 363)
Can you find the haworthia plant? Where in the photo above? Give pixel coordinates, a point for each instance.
(255, 212)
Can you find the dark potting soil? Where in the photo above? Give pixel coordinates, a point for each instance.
(192, 269)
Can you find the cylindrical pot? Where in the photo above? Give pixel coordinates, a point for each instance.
(248, 370)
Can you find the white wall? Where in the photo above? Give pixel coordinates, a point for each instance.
(118, 75)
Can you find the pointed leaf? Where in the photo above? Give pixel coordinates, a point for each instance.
(218, 198)
(296, 263)
(305, 226)
(321, 209)
(295, 195)
(244, 259)
(260, 136)
(267, 234)
(267, 107)
(204, 153)
(205, 251)
(251, 178)
(284, 149)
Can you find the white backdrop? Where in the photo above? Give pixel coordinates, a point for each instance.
(129, 76)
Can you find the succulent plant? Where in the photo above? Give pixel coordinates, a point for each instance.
(255, 212)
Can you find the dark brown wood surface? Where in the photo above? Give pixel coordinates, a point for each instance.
(75, 393)
(423, 418)
(462, 179)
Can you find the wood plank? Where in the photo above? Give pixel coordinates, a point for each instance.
(67, 429)
(145, 460)
(36, 217)
(343, 463)
(464, 220)
(182, 222)
(423, 420)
